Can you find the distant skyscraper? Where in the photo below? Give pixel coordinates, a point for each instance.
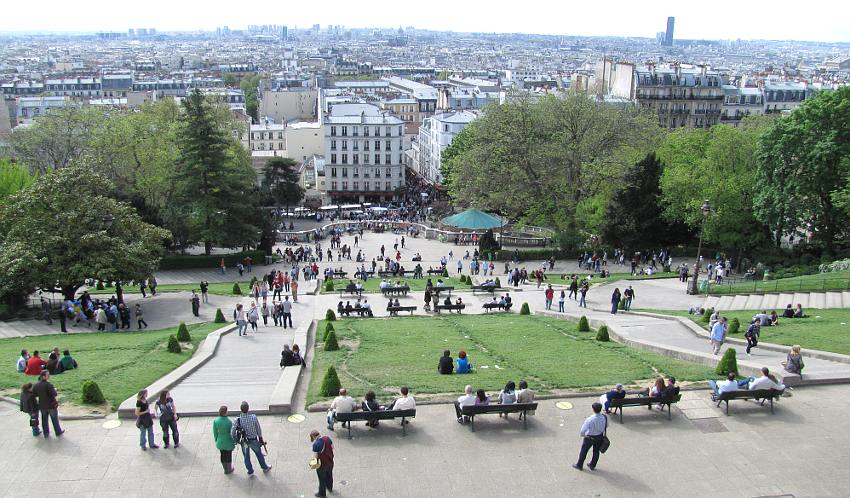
(284, 33)
(668, 37)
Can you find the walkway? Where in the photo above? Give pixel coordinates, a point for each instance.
(778, 301)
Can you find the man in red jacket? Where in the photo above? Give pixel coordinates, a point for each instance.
(550, 295)
(35, 364)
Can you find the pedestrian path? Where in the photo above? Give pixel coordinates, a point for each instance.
(778, 301)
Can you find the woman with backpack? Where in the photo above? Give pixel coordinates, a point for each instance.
(253, 316)
(29, 405)
(144, 420)
(168, 418)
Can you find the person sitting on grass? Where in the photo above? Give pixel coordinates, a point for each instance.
(617, 393)
(507, 396)
(447, 364)
(35, 364)
(724, 386)
(798, 313)
(463, 364)
(22, 361)
(793, 362)
(774, 318)
(481, 398)
(789, 312)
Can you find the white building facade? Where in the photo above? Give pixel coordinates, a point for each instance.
(435, 134)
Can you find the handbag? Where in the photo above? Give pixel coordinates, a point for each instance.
(606, 443)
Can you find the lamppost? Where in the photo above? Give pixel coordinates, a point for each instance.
(107, 224)
(706, 209)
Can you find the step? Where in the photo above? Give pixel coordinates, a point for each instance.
(754, 302)
(711, 302)
(771, 301)
(845, 299)
(833, 300)
(725, 303)
(801, 298)
(817, 300)
(739, 302)
(785, 299)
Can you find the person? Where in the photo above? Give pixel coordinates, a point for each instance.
(241, 320)
(152, 284)
(573, 288)
(286, 308)
(253, 315)
(124, 315)
(561, 300)
(223, 440)
(22, 361)
(766, 381)
(323, 452)
(341, 404)
(794, 361)
(713, 318)
(140, 316)
(774, 318)
(671, 389)
(427, 300)
(718, 335)
(264, 312)
(205, 286)
(481, 398)
(48, 405)
(467, 399)
(723, 386)
(656, 389)
(615, 302)
(629, 295)
(549, 295)
(287, 359)
(144, 420)
(35, 364)
(593, 433)
(100, 318)
(405, 402)
(294, 289)
(798, 313)
(53, 365)
(763, 318)
(617, 393)
(370, 404)
(583, 294)
(463, 365)
(248, 433)
(507, 396)
(168, 417)
(752, 335)
(789, 312)
(45, 312)
(296, 355)
(447, 363)
(29, 405)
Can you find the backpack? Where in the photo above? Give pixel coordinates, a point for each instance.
(326, 456)
(240, 433)
(166, 412)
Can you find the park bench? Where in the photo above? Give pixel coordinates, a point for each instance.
(389, 291)
(436, 290)
(393, 310)
(497, 306)
(618, 404)
(347, 418)
(340, 274)
(433, 271)
(385, 273)
(350, 291)
(359, 274)
(759, 394)
(449, 307)
(486, 288)
(522, 408)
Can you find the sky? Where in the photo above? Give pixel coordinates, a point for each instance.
(827, 20)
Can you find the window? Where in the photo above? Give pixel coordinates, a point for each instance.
(345, 159)
(366, 184)
(333, 144)
(344, 185)
(333, 131)
(355, 130)
(365, 158)
(388, 173)
(356, 185)
(365, 131)
(280, 135)
(377, 131)
(280, 145)
(356, 158)
(356, 145)
(345, 172)
(345, 145)
(446, 128)
(388, 159)
(333, 185)
(388, 144)
(377, 145)
(333, 158)
(333, 172)
(365, 145)
(262, 146)
(389, 186)
(344, 131)
(377, 159)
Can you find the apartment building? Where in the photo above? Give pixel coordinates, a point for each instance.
(681, 96)
(739, 103)
(435, 134)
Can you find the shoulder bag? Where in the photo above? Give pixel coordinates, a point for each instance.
(606, 443)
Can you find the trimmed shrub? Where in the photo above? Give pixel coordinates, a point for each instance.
(734, 326)
(602, 334)
(330, 384)
(174, 344)
(498, 282)
(330, 315)
(328, 328)
(524, 309)
(219, 316)
(622, 304)
(330, 341)
(237, 291)
(99, 285)
(251, 284)
(706, 316)
(183, 333)
(445, 273)
(329, 285)
(729, 363)
(583, 326)
(92, 395)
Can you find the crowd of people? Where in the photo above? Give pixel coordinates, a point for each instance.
(56, 363)
(509, 395)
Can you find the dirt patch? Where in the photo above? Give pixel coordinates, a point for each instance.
(352, 344)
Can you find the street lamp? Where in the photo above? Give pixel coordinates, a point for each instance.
(694, 287)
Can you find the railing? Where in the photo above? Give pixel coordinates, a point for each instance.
(742, 286)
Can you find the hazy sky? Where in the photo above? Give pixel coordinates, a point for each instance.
(775, 19)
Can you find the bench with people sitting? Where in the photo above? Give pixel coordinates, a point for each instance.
(509, 400)
(361, 309)
(435, 271)
(448, 306)
(395, 290)
(397, 273)
(344, 409)
(437, 289)
(765, 388)
(497, 305)
(394, 308)
(352, 289)
(340, 274)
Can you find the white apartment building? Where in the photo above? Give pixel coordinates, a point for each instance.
(363, 154)
(435, 134)
(739, 103)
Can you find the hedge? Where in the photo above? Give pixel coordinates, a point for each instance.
(92, 395)
(186, 261)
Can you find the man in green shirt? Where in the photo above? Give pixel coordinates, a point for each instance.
(67, 362)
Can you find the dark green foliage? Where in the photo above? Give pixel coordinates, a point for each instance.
(219, 316)
(331, 343)
(182, 261)
(330, 384)
(487, 242)
(183, 333)
(92, 395)
(498, 282)
(524, 310)
(734, 326)
(602, 334)
(622, 304)
(330, 315)
(173, 344)
(583, 325)
(237, 291)
(329, 285)
(99, 285)
(445, 272)
(706, 315)
(281, 183)
(251, 283)
(727, 364)
(328, 328)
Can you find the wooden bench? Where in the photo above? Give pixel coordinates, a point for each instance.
(435, 272)
(393, 310)
(618, 404)
(436, 290)
(355, 311)
(359, 274)
(522, 408)
(486, 288)
(384, 273)
(759, 394)
(389, 291)
(340, 274)
(449, 307)
(347, 418)
(352, 292)
(497, 306)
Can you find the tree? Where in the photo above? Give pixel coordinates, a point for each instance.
(803, 180)
(53, 236)
(216, 186)
(281, 182)
(728, 363)
(250, 87)
(13, 177)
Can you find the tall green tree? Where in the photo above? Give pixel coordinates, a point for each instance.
(250, 87)
(13, 177)
(53, 235)
(803, 181)
(216, 186)
(281, 182)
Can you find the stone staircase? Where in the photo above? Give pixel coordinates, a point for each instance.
(778, 301)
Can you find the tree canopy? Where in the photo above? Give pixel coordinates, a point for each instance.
(281, 182)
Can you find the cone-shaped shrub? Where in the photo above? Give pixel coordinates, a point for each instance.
(92, 395)
(329, 285)
(524, 309)
(734, 326)
(236, 289)
(173, 344)
(706, 316)
(330, 315)
(330, 341)
(622, 304)
(498, 282)
(729, 363)
(602, 334)
(183, 333)
(583, 326)
(330, 384)
(328, 328)
(219, 316)
(251, 284)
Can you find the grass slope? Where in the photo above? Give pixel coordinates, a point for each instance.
(839, 280)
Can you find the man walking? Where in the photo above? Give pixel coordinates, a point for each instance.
(323, 451)
(196, 303)
(204, 288)
(45, 312)
(550, 295)
(628, 295)
(718, 334)
(47, 404)
(248, 433)
(286, 308)
(592, 433)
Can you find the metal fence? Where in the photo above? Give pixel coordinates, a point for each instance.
(741, 286)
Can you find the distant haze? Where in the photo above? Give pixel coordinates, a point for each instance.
(776, 20)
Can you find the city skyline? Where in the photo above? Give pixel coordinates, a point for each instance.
(783, 21)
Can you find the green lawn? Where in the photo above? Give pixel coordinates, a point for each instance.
(216, 288)
(415, 284)
(120, 362)
(383, 354)
(839, 280)
(824, 330)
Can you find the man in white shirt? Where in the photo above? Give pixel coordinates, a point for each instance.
(592, 432)
(468, 399)
(405, 402)
(384, 284)
(765, 382)
(724, 386)
(341, 404)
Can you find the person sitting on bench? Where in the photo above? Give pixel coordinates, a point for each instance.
(370, 404)
(447, 364)
(720, 387)
(468, 399)
(766, 381)
(348, 308)
(463, 364)
(358, 287)
(417, 257)
(384, 284)
(440, 283)
(671, 389)
(489, 283)
(459, 301)
(367, 307)
(617, 393)
(447, 301)
(507, 396)
(341, 404)
(481, 398)
(351, 287)
(389, 308)
(405, 402)
(340, 308)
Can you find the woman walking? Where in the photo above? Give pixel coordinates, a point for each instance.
(168, 417)
(561, 300)
(144, 420)
(223, 441)
(615, 300)
(140, 316)
(253, 316)
(241, 320)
